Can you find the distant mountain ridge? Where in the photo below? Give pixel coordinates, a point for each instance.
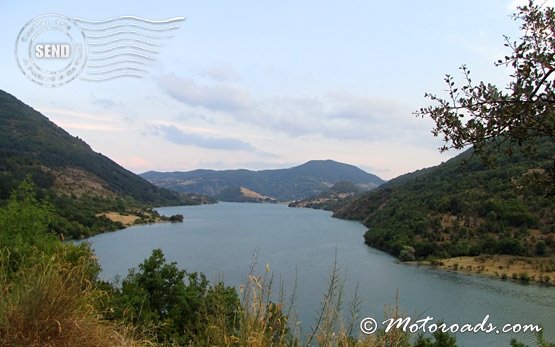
(308, 179)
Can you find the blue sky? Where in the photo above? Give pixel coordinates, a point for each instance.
(265, 84)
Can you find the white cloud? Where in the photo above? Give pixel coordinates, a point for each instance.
(183, 137)
(220, 72)
(72, 119)
(335, 115)
(213, 97)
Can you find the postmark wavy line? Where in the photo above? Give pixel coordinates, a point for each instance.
(123, 68)
(118, 26)
(124, 40)
(163, 21)
(128, 32)
(138, 55)
(112, 77)
(122, 61)
(111, 49)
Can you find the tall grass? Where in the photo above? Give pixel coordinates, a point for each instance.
(264, 322)
(51, 302)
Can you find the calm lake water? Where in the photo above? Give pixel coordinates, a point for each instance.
(220, 240)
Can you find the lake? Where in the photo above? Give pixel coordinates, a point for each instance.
(223, 239)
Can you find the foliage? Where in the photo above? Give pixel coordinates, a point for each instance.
(407, 254)
(48, 288)
(482, 114)
(175, 305)
(457, 210)
(176, 218)
(24, 223)
(461, 207)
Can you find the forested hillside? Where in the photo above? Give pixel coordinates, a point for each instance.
(77, 181)
(464, 207)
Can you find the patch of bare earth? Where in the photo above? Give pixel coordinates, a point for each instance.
(538, 269)
(251, 194)
(125, 219)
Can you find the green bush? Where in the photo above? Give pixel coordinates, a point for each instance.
(177, 306)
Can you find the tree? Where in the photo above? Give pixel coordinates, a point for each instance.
(486, 116)
(176, 218)
(174, 304)
(24, 228)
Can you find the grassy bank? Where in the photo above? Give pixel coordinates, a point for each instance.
(139, 216)
(505, 267)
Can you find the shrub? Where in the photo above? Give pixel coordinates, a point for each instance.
(407, 254)
(524, 277)
(176, 218)
(175, 305)
(540, 247)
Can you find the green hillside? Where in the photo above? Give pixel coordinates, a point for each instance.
(464, 207)
(77, 181)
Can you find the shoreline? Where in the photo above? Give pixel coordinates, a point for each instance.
(131, 219)
(517, 269)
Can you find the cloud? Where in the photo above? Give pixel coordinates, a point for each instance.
(220, 72)
(370, 118)
(181, 137)
(94, 127)
(338, 115)
(341, 116)
(77, 114)
(103, 102)
(213, 97)
(76, 119)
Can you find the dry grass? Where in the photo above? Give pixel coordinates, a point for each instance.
(50, 304)
(252, 194)
(263, 322)
(126, 220)
(504, 266)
